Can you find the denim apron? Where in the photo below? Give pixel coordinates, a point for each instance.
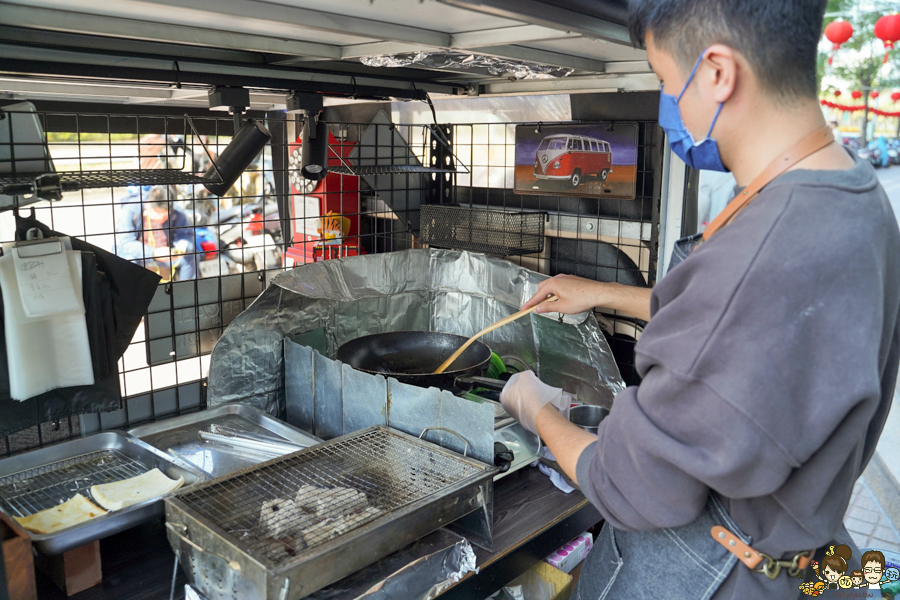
(686, 560)
(692, 564)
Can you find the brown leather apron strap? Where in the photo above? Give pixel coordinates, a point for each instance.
(752, 557)
(805, 147)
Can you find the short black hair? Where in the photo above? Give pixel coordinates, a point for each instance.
(779, 38)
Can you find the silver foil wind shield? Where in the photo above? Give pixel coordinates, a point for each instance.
(323, 305)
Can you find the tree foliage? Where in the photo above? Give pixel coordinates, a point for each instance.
(861, 58)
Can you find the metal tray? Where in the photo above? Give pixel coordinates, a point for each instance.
(525, 446)
(180, 435)
(416, 486)
(36, 480)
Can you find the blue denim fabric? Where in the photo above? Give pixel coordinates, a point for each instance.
(683, 248)
(683, 563)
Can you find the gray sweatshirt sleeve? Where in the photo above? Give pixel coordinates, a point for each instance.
(664, 444)
(762, 355)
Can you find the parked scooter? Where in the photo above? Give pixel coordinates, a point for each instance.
(249, 234)
(872, 155)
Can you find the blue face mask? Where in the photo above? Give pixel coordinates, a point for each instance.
(704, 155)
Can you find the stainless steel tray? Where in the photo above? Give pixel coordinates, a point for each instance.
(525, 446)
(44, 478)
(415, 487)
(180, 435)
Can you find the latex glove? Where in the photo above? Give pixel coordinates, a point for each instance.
(524, 395)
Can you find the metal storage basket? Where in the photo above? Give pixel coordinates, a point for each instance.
(292, 525)
(482, 230)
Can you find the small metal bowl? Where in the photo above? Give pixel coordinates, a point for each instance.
(588, 416)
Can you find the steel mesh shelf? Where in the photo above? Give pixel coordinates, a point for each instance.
(386, 170)
(69, 181)
(482, 230)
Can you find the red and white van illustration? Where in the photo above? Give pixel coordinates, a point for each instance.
(570, 157)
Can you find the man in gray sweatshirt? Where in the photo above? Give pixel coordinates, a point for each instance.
(771, 353)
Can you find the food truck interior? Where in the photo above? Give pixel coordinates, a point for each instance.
(371, 133)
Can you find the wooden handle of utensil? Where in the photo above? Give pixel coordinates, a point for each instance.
(506, 320)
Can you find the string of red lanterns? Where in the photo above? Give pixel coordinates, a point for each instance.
(848, 108)
(887, 29)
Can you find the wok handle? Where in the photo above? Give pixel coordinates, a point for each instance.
(465, 448)
(486, 382)
(446, 364)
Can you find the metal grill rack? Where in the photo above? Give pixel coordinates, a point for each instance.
(480, 230)
(232, 547)
(27, 492)
(328, 490)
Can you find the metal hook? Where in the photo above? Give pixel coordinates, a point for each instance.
(177, 76)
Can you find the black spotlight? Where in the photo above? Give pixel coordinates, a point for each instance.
(314, 151)
(251, 138)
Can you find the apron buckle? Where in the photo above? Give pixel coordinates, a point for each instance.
(771, 567)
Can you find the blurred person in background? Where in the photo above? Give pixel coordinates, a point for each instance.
(151, 230)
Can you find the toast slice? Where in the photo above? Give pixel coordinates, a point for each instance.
(119, 494)
(77, 509)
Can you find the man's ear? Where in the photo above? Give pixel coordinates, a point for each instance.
(721, 77)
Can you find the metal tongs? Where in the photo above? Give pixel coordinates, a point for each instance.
(237, 438)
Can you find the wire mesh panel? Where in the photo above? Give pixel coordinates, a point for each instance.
(600, 238)
(304, 500)
(216, 254)
(478, 230)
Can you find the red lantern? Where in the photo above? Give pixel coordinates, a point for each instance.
(856, 94)
(887, 29)
(895, 96)
(837, 33)
(837, 93)
(874, 94)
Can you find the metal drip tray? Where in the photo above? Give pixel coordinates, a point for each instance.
(297, 523)
(44, 478)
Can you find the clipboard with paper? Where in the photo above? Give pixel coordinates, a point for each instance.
(45, 278)
(44, 318)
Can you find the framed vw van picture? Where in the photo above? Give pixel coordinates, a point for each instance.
(583, 159)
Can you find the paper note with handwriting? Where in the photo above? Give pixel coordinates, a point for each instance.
(45, 280)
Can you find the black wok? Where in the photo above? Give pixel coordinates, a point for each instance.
(412, 356)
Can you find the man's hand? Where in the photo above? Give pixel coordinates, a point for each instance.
(577, 294)
(525, 395)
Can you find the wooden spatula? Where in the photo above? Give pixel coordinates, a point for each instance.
(488, 329)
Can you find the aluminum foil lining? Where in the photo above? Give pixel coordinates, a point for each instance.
(454, 59)
(322, 305)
